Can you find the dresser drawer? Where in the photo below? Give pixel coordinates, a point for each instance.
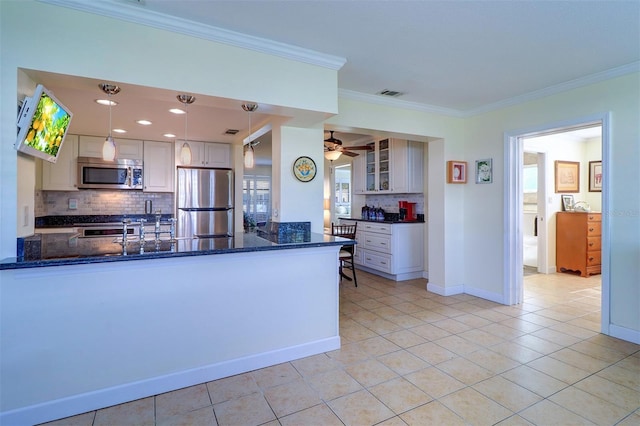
(594, 258)
(377, 242)
(379, 261)
(594, 229)
(594, 243)
(381, 228)
(594, 217)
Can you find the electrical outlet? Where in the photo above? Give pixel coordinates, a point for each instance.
(73, 204)
(25, 217)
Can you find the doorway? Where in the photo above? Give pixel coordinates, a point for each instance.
(514, 202)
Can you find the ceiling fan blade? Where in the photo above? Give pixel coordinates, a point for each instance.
(363, 147)
(350, 154)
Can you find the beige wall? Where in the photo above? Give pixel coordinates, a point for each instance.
(463, 219)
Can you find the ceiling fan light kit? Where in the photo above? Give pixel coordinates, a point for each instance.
(333, 148)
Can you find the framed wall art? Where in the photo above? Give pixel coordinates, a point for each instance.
(304, 169)
(484, 171)
(595, 176)
(567, 203)
(456, 172)
(567, 176)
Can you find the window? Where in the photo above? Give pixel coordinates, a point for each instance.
(530, 178)
(256, 198)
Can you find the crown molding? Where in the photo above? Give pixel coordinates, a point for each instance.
(139, 15)
(397, 103)
(558, 88)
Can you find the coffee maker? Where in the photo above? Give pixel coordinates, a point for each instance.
(407, 211)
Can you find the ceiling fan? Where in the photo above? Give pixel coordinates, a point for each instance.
(332, 144)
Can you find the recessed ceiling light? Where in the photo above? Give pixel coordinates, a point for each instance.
(106, 102)
(169, 135)
(119, 130)
(144, 122)
(176, 111)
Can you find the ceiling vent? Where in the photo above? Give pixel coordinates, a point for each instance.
(231, 131)
(391, 93)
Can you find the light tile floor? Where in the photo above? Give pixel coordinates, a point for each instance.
(410, 357)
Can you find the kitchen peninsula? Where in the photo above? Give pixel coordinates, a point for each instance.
(145, 324)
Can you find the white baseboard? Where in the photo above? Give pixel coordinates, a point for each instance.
(445, 291)
(484, 294)
(78, 404)
(624, 333)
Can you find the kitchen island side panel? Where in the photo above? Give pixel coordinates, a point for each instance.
(81, 337)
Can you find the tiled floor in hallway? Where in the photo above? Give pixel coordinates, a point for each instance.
(410, 357)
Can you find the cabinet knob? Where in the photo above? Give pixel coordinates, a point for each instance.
(590, 244)
(591, 258)
(590, 229)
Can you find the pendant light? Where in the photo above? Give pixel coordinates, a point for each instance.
(249, 160)
(109, 145)
(185, 150)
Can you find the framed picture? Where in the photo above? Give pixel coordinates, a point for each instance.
(304, 169)
(484, 171)
(595, 176)
(456, 172)
(567, 176)
(567, 203)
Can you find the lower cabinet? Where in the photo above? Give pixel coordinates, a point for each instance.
(391, 250)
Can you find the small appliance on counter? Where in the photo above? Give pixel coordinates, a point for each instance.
(407, 211)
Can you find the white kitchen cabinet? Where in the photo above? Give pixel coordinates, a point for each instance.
(158, 167)
(206, 154)
(358, 174)
(393, 166)
(61, 176)
(129, 149)
(392, 250)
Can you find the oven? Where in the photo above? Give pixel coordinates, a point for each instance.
(96, 173)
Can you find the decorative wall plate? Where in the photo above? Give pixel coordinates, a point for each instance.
(304, 169)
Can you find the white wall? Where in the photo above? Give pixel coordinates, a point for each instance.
(297, 89)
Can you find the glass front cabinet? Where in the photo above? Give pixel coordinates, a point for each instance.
(391, 166)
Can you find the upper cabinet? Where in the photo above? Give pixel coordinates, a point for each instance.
(391, 166)
(158, 167)
(206, 154)
(91, 146)
(61, 175)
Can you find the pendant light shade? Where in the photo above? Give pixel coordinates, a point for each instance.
(109, 145)
(249, 161)
(332, 155)
(185, 154)
(185, 150)
(249, 158)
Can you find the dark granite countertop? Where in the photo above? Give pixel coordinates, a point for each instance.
(382, 221)
(70, 249)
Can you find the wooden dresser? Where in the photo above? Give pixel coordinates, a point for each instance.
(578, 242)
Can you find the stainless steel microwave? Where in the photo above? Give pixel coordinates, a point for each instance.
(96, 173)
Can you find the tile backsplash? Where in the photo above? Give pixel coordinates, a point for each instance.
(100, 202)
(389, 202)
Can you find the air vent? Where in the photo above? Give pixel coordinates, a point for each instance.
(231, 131)
(391, 93)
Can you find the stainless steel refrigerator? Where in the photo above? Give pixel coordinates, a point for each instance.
(204, 203)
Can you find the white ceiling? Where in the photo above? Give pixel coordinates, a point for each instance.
(455, 57)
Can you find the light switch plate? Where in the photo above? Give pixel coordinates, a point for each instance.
(73, 204)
